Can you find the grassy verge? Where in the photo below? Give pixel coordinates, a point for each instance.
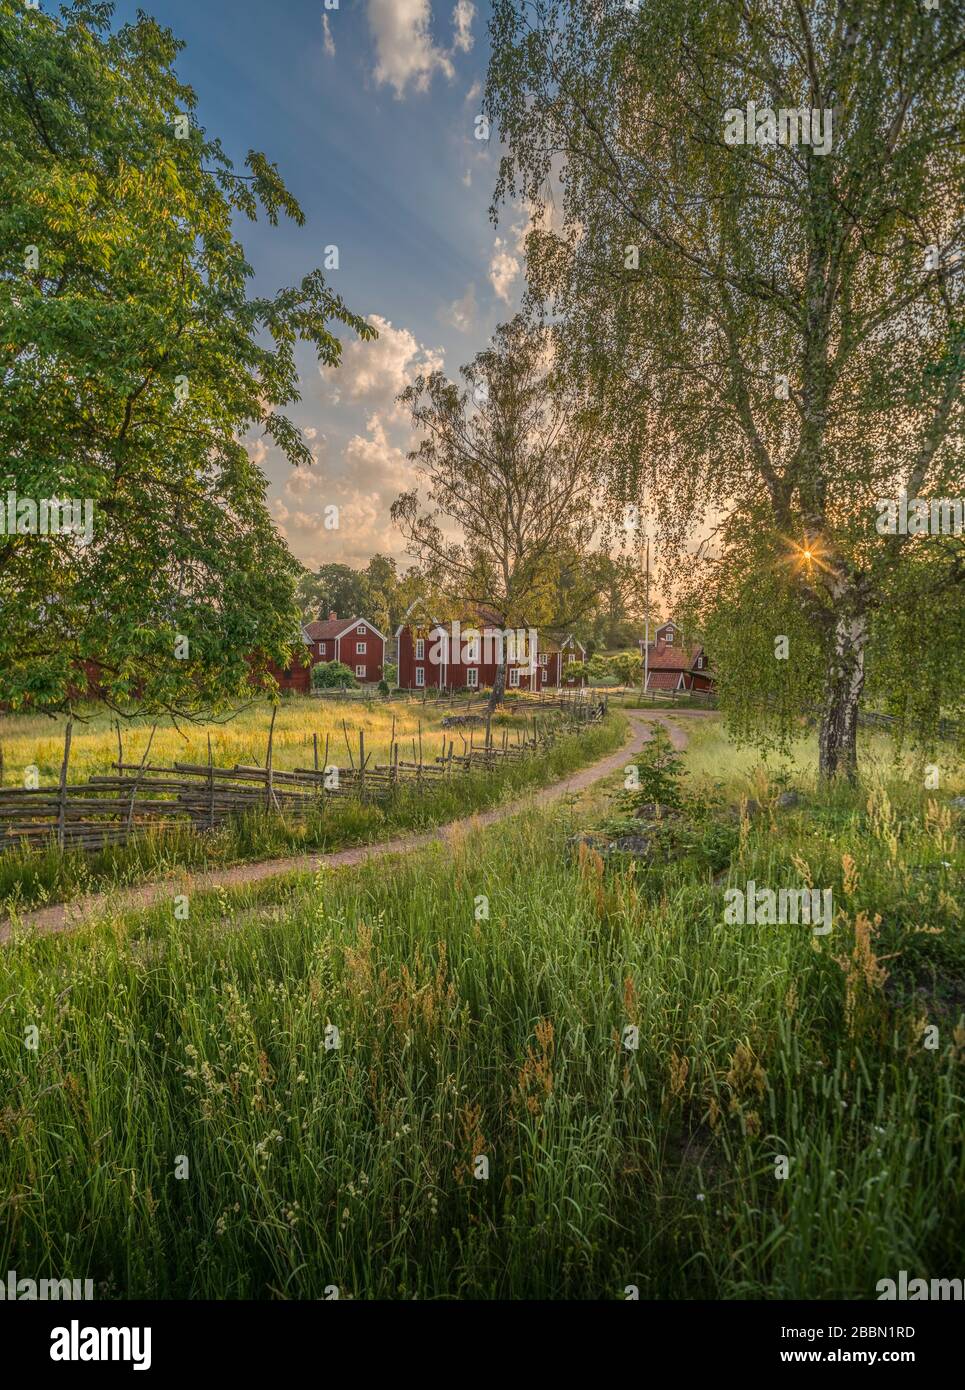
(482, 991)
(34, 877)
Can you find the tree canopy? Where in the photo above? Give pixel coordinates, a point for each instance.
(772, 328)
(134, 362)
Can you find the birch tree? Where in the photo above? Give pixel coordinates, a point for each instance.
(748, 217)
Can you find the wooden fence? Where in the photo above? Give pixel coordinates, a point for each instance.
(136, 797)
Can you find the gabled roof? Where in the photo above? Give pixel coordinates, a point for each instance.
(663, 680)
(323, 631)
(672, 656)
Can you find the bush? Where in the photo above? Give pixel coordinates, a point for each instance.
(660, 769)
(383, 687)
(333, 675)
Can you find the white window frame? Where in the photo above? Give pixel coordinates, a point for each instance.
(420, 675)
(360, 631)
(472, 678)
(420, 649)
(360, 672)
(544, 659)
(321, 648)
(514, 675)
(360, 649)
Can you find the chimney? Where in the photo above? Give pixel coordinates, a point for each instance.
(333, 617)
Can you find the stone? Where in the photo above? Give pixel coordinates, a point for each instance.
(788, 800)
(637, 845)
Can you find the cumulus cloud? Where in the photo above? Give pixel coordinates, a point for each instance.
(258, 452)
(363, 483)
(474, 92)
(376, 372)
(404, 49)
(504, 268)
(327, 34)
(461, 313)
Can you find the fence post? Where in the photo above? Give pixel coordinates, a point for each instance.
(137, 779)
(269, 779)
(62, 811)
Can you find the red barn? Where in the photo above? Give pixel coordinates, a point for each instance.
(354, 641)
(673, 664)
(464, 655)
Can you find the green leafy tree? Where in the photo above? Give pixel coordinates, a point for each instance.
(335, 588)
(773, 329)
(506, 459)
(134, 361)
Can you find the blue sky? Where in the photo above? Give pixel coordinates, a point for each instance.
(369, 111)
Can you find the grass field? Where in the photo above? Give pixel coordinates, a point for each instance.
(31, 877)
(38, 740)
(185, 1125)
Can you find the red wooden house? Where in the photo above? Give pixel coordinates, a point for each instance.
(464, 654)
(555, 659)
(673, 664)
(355, 642)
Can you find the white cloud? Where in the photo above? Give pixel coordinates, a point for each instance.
(363, 483)
(300, 482)
(461, 313)
(310, 432)
(376, 372)
(258, 452)
(404, 48)
(329, 41)
(503, 269)
(462, 18)
(474, 91)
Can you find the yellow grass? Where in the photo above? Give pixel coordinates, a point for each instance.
(38, 740)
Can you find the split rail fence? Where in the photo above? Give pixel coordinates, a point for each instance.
(135, 798)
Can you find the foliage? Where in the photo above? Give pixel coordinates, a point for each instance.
(772, 333)
(660, 771)
(333, 675)
(134, 361)
(506, 458)
(502, 1037)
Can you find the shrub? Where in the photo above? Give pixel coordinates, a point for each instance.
(333, 675)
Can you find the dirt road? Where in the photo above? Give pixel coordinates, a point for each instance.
(64, 916)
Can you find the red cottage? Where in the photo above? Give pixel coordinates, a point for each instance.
(353, 641)
(556, 657)
(463, 655)
(673, 664)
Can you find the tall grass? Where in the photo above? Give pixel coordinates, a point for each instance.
(240, 737)
(482, 990)
(31, 876)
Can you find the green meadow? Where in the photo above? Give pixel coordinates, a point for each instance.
(504, 1068)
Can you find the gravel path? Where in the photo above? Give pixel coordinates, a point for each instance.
(63, 916)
